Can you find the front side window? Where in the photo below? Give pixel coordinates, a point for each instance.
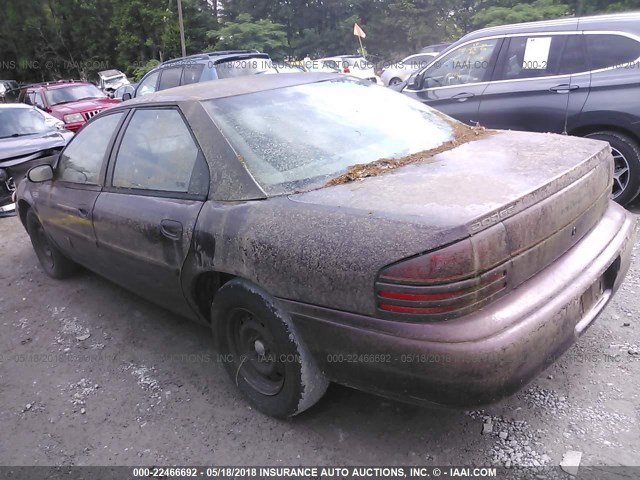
(611, 50)
(346, 122)
(148, 85)
(471, 63)
(158, 153)
(39, 102)
(82, 160)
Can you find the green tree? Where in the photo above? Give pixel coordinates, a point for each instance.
(521, 12)
(243, 32)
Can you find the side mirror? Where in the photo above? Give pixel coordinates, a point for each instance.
(126, 96)
(41, 173)
(415, 81)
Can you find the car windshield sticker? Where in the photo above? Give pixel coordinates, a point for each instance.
(536, 53)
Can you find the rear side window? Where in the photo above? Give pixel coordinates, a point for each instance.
(611, 50)
(574, 58)
(169, 78)
(158, 153)
(82, 160)
(192, 73)
(532, 57)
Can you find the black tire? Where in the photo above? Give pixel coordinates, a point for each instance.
(53, 262)
(395, 81)
(626, 183)
(263, 354)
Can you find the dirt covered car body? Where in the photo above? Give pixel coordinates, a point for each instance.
(425, 260)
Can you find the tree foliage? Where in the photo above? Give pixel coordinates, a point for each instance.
(51, 39)
(244, 32)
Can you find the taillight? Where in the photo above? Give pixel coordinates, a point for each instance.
(448, 282)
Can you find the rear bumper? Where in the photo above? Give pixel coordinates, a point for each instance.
(485, 356)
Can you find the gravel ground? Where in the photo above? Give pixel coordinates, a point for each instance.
(92, 375)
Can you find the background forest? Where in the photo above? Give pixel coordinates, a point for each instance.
(51, 39)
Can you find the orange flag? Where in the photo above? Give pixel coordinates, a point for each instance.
(358, 32)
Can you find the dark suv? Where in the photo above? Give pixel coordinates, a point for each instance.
(203, 67)
(575, 75)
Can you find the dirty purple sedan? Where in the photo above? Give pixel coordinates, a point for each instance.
(329, 230)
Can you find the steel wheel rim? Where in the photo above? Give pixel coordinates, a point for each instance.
(621, 173)
(255, 354)
(46, 254)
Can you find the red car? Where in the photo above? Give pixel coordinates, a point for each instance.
(73, 102)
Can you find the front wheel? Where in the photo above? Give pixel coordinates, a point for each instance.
(263, 353)
(626, 165)
(395, 81)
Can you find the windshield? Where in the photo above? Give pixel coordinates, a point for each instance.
(246, 66)
(16, 122)
(297, 138)
(56, 96)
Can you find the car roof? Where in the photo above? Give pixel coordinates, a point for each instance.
(216, 57)
(110, 73)
(229, 87)
(58, 84)
(629, 22)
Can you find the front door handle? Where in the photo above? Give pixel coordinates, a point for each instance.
(83, 212)
(463, 97)
(171, 229)
(564, 88)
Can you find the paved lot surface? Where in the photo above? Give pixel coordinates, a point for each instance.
(92, 375)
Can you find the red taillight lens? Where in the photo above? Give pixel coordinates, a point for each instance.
(448, 282)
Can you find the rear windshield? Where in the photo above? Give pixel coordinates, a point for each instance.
(298, 138)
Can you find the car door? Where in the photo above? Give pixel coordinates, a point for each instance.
(157, 182)
(540, 84)
(65, 205)
(455, 82)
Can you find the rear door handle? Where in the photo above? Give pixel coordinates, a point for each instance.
(463, 97)
(171, 229)
(564, 88)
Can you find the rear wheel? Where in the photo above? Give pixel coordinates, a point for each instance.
(626, 164)
(395, 81)
(264, 356)
(53, 262)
